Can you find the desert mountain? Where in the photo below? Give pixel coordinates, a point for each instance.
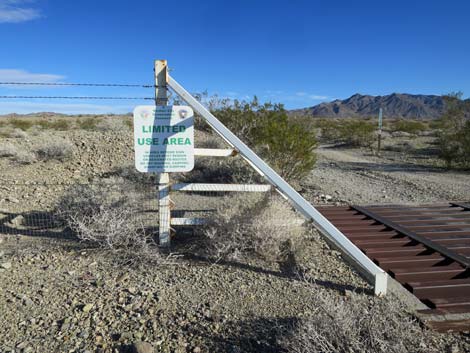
(396, 105)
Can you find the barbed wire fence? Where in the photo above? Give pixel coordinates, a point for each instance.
(20, 213)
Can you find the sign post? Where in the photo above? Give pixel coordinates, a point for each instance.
(380, 132)
(163, 143)
(163, 179)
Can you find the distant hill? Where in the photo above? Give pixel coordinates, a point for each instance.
(396, 105)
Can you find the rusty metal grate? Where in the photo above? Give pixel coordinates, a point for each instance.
(425, 248)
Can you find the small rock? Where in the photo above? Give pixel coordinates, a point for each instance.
(6, 265)
(122, 277)
(18, 220)
(27, 301)
(12, 199)
(142, 347)
(87, 308)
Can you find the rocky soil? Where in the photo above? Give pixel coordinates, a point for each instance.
(359, 177)
(59, 295)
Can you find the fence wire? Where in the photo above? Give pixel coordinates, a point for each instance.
(38, 208)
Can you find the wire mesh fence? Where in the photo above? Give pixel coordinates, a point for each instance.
(38, 208)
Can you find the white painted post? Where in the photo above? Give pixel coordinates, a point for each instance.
(164, 213)
(362, 263)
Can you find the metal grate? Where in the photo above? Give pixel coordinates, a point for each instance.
(425, 248)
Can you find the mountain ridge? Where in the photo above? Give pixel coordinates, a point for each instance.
(395, 105)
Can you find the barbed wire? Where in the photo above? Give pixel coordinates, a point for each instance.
(75, 97)
(77, 84)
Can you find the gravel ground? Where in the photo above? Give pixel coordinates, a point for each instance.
(57, 295)
(356, 176)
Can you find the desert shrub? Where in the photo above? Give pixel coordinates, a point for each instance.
(24, 157)
(103, 214)
(402, 147)
(329, 129)
(340, 324)
(128, 122)
(409, 126)
(19, 156)
(216, 170)
(287, 145)
(111, 124)
(58, 150)
(61, 125)
(18, 133)
(88, 123)
(357, 133)
(454, 136)
(435, 124)
(7, 150)
(290, 148)
(21, 124)
(252, 224)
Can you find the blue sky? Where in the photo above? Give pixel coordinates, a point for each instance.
(299, 53)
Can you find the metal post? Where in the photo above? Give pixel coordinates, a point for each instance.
(362, 263)
(163, 179)
(379, 142)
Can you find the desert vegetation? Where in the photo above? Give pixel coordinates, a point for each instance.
(352, 132)
(341, 324)
(254, 279)
(454, 135)
(286, 144)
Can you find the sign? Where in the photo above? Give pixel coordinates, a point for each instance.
(164, 138)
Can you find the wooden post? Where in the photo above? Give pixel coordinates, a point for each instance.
(163, 179)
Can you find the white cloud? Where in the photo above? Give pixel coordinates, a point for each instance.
(15, 75)
(15, 11)
(311, 96)
(22, 107)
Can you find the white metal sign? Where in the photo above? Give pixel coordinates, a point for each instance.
(164, 138)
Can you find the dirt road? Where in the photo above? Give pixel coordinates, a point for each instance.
(355, 176)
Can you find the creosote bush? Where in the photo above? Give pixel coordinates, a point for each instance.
(287, 145)
(103, 214)
(88, 123)
(357, 133)
(348, 324)
(252, 224)
(60, 125)
(409, 126)
(22, 124)
(454, 136)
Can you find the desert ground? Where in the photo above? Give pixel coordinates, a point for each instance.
(59, 294)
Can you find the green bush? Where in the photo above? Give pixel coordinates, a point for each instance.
(357, 133)
(88, 123)
(454, 136)
(288, 146)
(329, 129)
(62, 125)
(21, 124)
(409, 126)
(129, 123)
